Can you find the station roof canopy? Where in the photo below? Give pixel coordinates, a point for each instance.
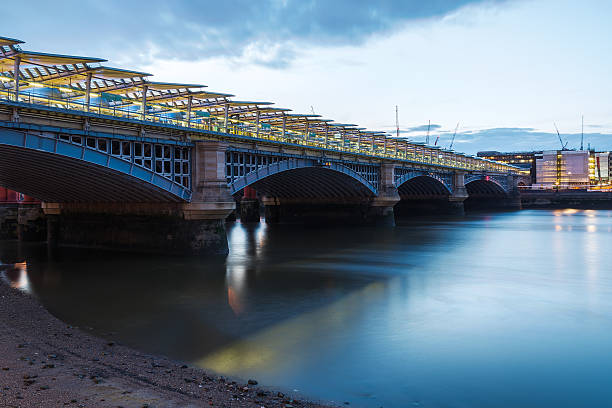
(183, 96)
(116, 73)
(119, 87)
(248, 103)
(9, 41)
(168, 86)
(345, 125)
(42, 58)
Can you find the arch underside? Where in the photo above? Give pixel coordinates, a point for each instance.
(485, 189)
(312, 183)
(55, 178)
(423, 188)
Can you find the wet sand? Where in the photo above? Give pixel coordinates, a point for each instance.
(46, 363)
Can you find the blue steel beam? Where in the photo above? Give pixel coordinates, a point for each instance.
(28, 154)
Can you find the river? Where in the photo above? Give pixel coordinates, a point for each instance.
(491, 310)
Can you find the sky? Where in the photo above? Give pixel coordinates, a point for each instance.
(502, 72)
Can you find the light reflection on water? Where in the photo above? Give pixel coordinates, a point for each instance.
(498, 310)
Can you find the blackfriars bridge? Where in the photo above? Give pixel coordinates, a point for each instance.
(117, 160)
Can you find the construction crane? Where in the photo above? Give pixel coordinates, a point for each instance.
(563, 146)
(427, 137)
(582, 135)
(397, 121)
(453, 139)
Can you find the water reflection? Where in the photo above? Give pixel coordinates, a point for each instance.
(16, 275)
(513, 307)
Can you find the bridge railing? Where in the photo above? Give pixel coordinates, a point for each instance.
(389, 148)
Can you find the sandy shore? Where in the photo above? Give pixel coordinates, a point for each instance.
(46, 363)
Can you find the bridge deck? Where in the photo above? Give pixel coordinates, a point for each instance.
(81, 84)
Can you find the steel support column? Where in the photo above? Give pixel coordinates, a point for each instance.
(326, 136)
(145, 89)
(16, 67)
(225, 117)
(88, 91)
(189, 103)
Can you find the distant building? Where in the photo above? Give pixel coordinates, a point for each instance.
(603, 167)
(565, 168)
(560, 168)
(524, 160)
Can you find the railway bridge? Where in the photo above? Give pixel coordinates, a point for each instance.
(118, 160)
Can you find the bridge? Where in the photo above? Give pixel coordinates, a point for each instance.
(119, 160)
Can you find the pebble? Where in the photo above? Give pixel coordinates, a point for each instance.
(252, 382)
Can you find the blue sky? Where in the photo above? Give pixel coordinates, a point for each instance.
(505, 70)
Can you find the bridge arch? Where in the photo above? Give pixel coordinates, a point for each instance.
(305, 178)
(55, 170)
(424, 186)
(485, 187)
(486, 193)
(422, 193)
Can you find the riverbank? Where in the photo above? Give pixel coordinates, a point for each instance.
(46, 363)
(581, 199)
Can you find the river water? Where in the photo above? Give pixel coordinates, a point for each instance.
(491, 310)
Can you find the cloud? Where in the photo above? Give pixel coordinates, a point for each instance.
(525, 139)
(422, 128)
(266, 32)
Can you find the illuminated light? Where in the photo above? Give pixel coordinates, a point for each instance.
(591, 228)
(37, 85)
(558, 228)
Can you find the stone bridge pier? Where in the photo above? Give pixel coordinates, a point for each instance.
(21, 217)
(194, 228)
